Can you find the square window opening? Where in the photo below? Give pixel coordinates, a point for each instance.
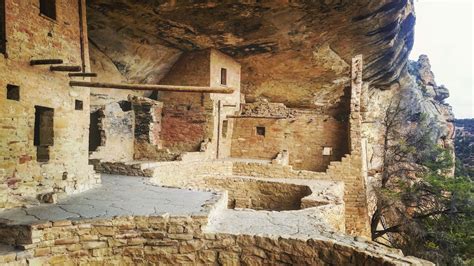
(260, 131)
(48, 8)
(13, 92)
(78, 105)
(223, 76)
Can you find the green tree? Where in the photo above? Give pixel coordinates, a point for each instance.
(423, 211)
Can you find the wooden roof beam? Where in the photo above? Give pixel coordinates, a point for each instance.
(45, 62)
(150, 87)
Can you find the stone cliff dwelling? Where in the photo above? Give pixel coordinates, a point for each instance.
(200, 133)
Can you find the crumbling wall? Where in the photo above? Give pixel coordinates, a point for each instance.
(118, 130)
(34, 36)
(147, 135)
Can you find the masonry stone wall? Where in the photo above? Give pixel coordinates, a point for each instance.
(117, 133)
(347, 170)
(304, 136)
(258, 194)
(34, 36)
(191, 119)
(184, 240)
(147, 135)
(187, 117)
(225, 104)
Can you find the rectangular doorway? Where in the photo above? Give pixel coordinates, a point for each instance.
(44, 132)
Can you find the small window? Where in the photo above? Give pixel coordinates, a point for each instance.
(260, 131)
(327, 151)
(78, 105)
(125, 106)
(13, 92)
(225, 126)
(223, 76)
(48, 8)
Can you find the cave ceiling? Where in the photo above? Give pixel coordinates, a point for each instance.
(290, 51)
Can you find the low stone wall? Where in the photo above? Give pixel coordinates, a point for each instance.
(122, 168)
(249, 193)
(260, 195)
(182, 240)
(178, 173)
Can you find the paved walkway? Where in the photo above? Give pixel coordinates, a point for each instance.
(118, 196)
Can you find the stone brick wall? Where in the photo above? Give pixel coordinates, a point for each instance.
(147, 135)
(118, 134)
(259, 194)
(226, 104)
(33, 36)
(184, 240)
(190, 119)
(347, 170)
(304, 136)
(187, 117)
(185, 127)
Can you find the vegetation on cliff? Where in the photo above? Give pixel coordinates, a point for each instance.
(464, 144)
(421, 209)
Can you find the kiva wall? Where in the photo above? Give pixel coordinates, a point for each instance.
(34, 36)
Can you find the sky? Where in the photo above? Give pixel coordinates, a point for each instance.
(444, 32)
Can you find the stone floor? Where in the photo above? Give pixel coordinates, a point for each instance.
(118, 196)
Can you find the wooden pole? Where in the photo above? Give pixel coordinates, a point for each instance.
(149, 87)
(83, 75)
(66, 68)
(46, 62)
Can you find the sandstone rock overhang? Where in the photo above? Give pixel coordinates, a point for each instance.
(289, 51)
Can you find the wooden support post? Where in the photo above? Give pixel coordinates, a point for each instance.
(66, 68)
(46, 62)
(149, 87)
(83, 75)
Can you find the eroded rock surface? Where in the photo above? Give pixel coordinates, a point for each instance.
(291, 52)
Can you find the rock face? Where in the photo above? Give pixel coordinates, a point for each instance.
(420, 95)
(424, 96)
(291, 52)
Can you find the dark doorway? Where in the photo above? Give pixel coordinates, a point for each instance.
(3, 28)
(95, 130)
(44, 132)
